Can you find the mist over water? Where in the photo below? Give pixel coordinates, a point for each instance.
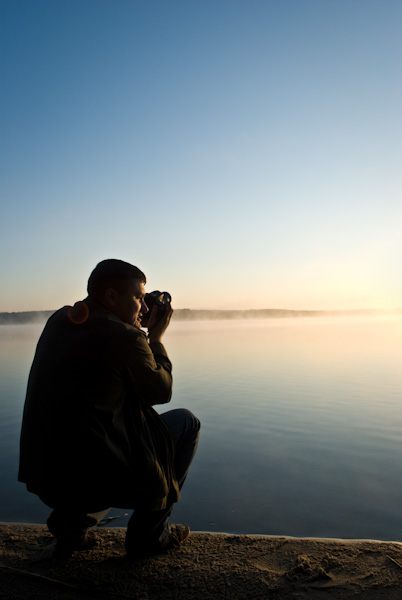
(301, 425)
(187, 314)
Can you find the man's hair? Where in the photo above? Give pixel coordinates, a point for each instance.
(113, 273)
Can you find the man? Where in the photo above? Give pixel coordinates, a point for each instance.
(90, 436)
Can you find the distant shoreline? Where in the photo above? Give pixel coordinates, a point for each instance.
(187, 314)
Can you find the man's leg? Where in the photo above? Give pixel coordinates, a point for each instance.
(151, 529)
(70, 528)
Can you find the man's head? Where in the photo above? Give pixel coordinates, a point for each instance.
(120, 287)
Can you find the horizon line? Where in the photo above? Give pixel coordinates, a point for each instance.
(191, 314)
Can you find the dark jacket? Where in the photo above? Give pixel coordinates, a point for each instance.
(90, 437)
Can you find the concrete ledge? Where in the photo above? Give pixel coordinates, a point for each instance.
(208, 566)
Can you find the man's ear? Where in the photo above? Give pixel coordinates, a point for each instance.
(110, 297)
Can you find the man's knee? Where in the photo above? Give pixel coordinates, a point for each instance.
(193, 422)
(182, 422)
(192, 425)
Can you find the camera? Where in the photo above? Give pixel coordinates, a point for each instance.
(159, 299)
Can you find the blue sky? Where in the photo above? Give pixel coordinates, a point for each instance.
(244, 154)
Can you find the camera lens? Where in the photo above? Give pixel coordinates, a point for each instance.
(161, 299)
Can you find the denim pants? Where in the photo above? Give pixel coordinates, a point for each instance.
(149, 527)
(144, 526)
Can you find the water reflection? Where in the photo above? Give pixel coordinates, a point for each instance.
(302, 424)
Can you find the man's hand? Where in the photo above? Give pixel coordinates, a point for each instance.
(158, 324)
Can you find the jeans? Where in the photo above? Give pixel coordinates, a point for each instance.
(149, 527)
(144, 527)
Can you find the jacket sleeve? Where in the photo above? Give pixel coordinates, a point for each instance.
(150, 371)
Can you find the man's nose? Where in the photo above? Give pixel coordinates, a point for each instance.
(144, 307)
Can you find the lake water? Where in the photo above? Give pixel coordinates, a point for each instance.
(301, 425)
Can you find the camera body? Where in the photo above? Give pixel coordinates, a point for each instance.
(159, 299)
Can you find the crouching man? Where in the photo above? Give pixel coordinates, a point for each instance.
(90, 437)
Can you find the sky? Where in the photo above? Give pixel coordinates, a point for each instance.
(242, 153)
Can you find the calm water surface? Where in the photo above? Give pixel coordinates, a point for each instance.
(301, 425)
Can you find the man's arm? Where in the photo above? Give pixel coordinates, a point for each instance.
(150, 372)
(149, 365)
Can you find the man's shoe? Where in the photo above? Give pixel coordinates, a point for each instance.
(175, 535)
(178, 534)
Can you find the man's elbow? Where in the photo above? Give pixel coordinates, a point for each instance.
(162, 393)
(166, 396)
